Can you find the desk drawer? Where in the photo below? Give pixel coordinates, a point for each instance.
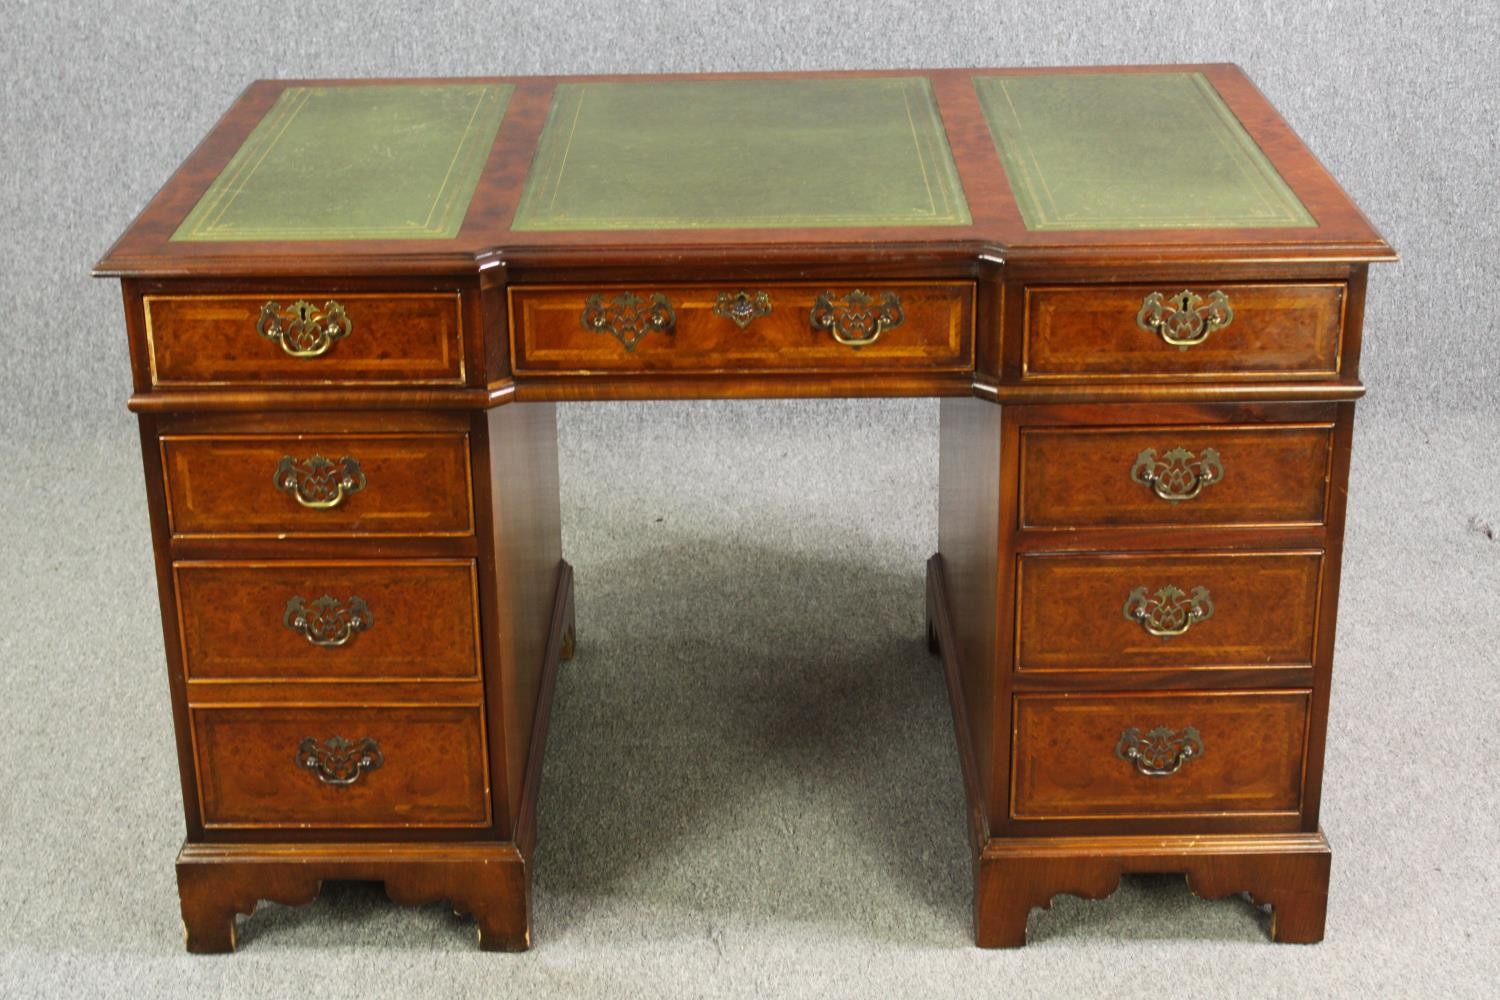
(1166, 610)
(1147, 755)
(299, 766)
(308, 484)
(758, 327)
(1260, 474)
(1273, 332)
(274, 338)
(408, 620)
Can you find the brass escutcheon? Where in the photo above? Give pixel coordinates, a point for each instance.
(1179, 474)
(302, 330)
(1185, 319)
(858, 320)
(325, 622)
(338, 761)
(1161, 752)
(628, 317)
(1169, 611)
(742, 307)
(318, 483)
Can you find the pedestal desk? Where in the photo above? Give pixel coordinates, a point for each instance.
(354, 307)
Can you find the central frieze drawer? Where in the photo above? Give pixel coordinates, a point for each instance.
(280, 337)
(827, 326)
(1082, 611)
(366, 621)
(310, 485)
(1216, 474)
(1197, 330)
(1149, 755)
(336, 766)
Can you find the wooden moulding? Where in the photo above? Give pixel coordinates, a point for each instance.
(489, 880)
(1287, 871)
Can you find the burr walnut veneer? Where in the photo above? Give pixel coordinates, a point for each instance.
(353, 308)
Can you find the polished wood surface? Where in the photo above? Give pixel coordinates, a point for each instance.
(1072, 610)
(969, 515)
(1082, 459)
(1286, 872)
(936, 331)
(416, 484)
(1066, 762)
(1072, 674)
(522, 551)
(1286, 331)
(424, 621)
(1081, 477)
(489, 879)
(486, 880)
(433, 772)
(394, 337)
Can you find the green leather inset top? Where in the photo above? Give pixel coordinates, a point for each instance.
(387, 161)
(697, 154)
(1131, 151)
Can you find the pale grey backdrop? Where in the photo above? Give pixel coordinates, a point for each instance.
(751, 788)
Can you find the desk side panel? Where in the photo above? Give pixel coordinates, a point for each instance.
(526, 547)
(968, 540)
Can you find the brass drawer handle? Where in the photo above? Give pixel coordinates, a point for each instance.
(1169, 611)
(859, 320)
(338, 761)
(742, 307)
(318, 483)
(325, 622)
(302, 330)
(1185, 319)
(1179, 474)
(1161, 752)
(627, 317)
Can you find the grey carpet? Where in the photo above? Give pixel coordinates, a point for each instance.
(751, 787)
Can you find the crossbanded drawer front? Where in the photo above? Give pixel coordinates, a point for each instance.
(1217, 474)
(333, 766)
(1208, 330)
(1158, 755)
(303, 485)
(296, 621)
(1121, 611)
(837, 326)
(273, 338)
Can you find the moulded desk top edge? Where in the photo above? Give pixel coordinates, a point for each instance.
(996, 227)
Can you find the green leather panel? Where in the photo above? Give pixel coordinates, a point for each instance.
(1131, 151)
(696, 154)
(387, 161)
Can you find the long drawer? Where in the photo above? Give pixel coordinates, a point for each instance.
(1272, 332)
(755, 327)
(1110, 756)
(292, 621)
(337, 766)
(1208, 474)
(315, 484)
(1115, 611)
(274, 337)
